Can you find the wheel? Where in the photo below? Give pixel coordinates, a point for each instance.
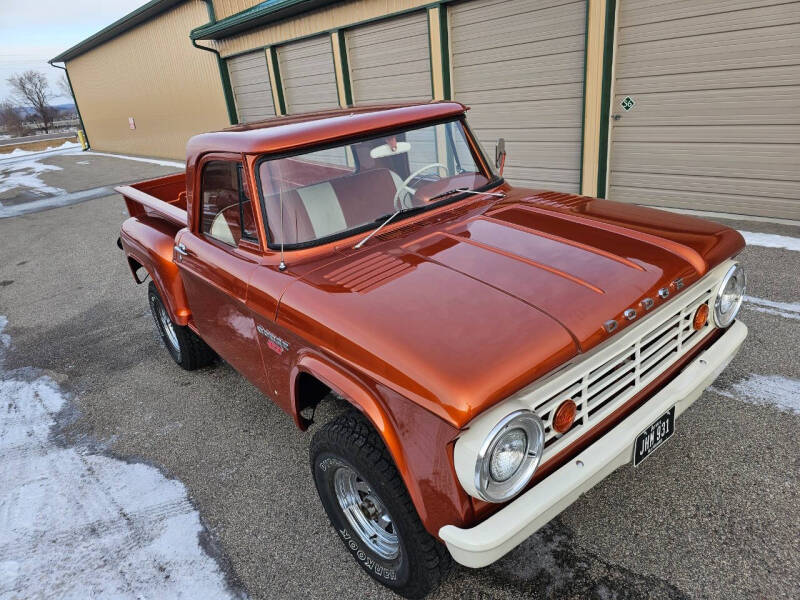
(186, 348)
(370, 508)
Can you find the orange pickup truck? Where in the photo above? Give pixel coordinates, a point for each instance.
(501, 349)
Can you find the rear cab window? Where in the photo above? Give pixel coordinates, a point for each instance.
(227, 210)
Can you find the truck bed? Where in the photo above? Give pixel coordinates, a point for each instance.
(161, 198)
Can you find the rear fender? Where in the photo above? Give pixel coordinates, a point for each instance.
(150, 243)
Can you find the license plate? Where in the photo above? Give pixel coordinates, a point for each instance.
(654, 436)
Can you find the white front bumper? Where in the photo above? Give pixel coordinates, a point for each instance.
(486, 542)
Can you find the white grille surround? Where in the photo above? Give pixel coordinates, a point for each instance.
(600, 389)
(604, 379)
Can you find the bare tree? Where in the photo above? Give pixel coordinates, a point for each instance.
(63, 86)
(32, 89)
(11, 120)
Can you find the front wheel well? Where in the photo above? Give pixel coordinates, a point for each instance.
(310, 392)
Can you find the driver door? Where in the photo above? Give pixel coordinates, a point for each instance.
(216, 260)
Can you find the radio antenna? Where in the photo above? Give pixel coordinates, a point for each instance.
(282, 265)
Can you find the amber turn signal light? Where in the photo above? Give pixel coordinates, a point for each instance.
(700, 317)
(564, 417)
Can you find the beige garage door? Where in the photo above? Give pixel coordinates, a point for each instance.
(715, 120)
(520, 66)
(307, 75)
(251, 88)
(390, 60)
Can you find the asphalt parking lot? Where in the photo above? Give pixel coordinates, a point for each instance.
(713, 514)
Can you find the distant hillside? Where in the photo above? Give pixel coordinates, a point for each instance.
(27, 111)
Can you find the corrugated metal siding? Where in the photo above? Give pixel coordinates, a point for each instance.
(307, 74)
(390, 60)
(251, 88)
(339, 15)
(520, 66)
(153, 74)
(226, 8)
(716, 124)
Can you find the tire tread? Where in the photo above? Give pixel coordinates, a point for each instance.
(195, 353)
(352, 430)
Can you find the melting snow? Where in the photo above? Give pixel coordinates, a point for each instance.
(788, 310)
(767, 390)
(74, 524)
(5, 339)
(154, 161)
(771, 240)
(21, 152)
(25, 174)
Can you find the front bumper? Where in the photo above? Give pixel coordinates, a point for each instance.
(486, 542)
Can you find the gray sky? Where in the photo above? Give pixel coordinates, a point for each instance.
(34, 31)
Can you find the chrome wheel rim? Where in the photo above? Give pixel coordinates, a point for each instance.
(366, 513)
(166, 326)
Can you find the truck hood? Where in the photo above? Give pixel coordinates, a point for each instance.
(460, 310)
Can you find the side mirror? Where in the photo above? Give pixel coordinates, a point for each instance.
(500, 155)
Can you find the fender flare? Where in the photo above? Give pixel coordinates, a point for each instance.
(152, 248)
(368, 403)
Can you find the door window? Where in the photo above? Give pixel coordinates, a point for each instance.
(227, 214)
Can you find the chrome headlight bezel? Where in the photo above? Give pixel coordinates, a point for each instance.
(491, 490)
(725, 320)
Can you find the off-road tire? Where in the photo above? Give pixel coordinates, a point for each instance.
(351, 441)
(188, 350)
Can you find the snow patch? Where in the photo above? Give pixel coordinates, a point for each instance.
(771, 240)
(154, 161)
(5, 339)
(74, 524)
(788, 310)
(21, 152)
(54, 202)
(25, 174)
(767, 390)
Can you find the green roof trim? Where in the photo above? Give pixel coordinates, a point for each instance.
(129, 21)
(263, 13)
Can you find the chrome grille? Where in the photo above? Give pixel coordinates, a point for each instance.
(599, 387)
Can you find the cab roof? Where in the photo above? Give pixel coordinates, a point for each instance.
(281, 134)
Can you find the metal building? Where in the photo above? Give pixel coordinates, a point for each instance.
(140, 85)
(687, 104)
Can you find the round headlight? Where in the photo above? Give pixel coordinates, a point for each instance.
(509, 456)
(730, 296)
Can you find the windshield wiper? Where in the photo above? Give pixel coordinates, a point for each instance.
(386, 220)
(466, 191)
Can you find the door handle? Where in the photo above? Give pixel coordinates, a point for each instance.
(181, 249)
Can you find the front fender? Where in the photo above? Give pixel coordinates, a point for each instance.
(419, 442)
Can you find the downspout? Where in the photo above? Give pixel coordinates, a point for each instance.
(74, 100)
(223, 68)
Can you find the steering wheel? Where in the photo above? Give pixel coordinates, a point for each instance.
(409, 191)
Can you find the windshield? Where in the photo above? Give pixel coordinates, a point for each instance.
(354, 187)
